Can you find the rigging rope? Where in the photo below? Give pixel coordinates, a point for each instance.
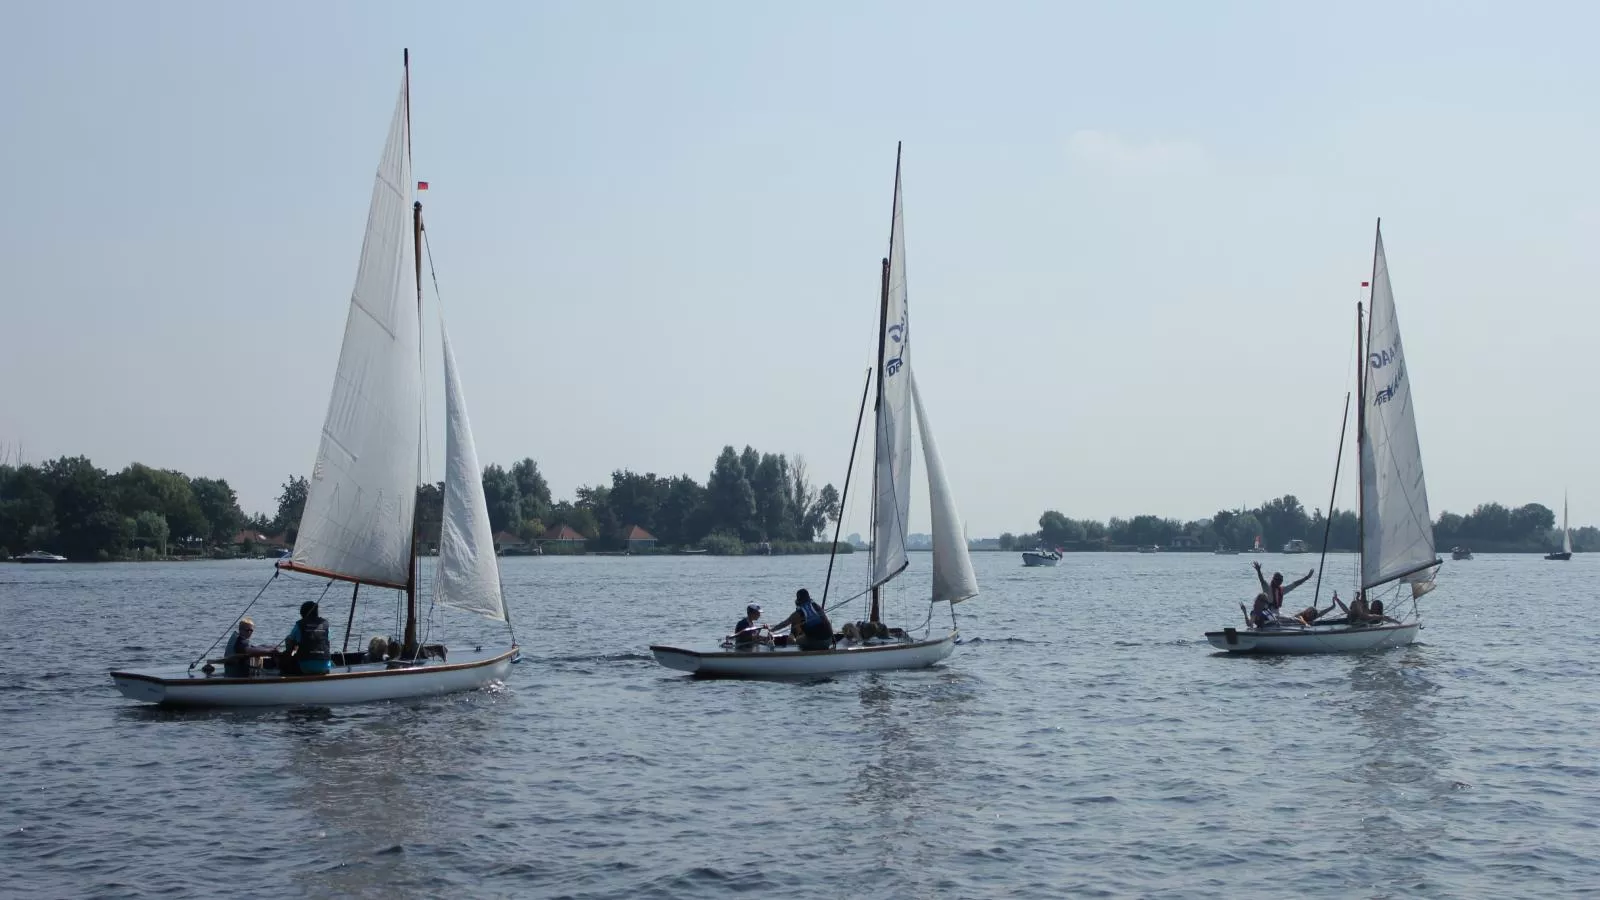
(275, 571)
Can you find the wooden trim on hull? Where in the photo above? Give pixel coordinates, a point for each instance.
(360, 686)
(786, 662)
(1308, 641)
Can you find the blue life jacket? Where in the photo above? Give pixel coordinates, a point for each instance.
(816, 624)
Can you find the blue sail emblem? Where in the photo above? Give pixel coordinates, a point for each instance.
(896, 333)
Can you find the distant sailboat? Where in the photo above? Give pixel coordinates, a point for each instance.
(897, 399)
(1566, 535)
(359, 522)
(1396, 546)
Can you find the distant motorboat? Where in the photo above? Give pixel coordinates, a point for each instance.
(1040, 557)
(1153, 548)
(1296, 546)
(39, 556)
(1225, 551)
(1565, 552)
(693, 552)
(1460, 553)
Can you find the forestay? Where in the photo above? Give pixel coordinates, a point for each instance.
(358, 515)
(1398, 530)
(892, 505)
(953, 579)
(469, 575)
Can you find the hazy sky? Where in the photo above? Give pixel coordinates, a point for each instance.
(1135, 235)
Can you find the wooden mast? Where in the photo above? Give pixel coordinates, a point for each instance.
(1361, 424)
(409, 647)
(875, 613)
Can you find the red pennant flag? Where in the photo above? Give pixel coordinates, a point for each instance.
(423, 185)
(1363, 284)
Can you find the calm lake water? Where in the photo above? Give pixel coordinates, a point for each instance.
(1082, 741)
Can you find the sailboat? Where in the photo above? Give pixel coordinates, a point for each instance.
(1566, 535)
(1396, 545)
(896, 398)
(359, 522)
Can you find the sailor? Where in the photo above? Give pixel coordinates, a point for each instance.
(809, 623)
(307, 648)
(243, 657)
(750, 632)
(1277, 588)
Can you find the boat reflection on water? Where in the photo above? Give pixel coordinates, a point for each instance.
(373, 787)
(906, 728)
(1402, 773)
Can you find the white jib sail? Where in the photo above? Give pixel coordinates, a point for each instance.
(358, 514)
(1398, 527)
(953, 579)
(469, 575)
(893, 503)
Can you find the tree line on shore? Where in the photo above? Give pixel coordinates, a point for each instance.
(1489, 528)
(750, 499)
(70, 506)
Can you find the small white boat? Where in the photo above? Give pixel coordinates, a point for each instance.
(788, 662)
(39, 556)
(1397, 548)
(1296, 546)
(1460, 553)
(1313, 639)
(1225, 551)
(1033, 558)
(361, 682)
(1153, 548)
(359, 522)
(898, 399)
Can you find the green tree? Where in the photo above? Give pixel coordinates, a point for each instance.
(1056, 530)
(151, 531)
(139, 488)
(1242, 530)
(429, 517)
(291, 507)
(636, 499)
(770, 489)
(88, 525)
(824, 511)
(27, 514)
(684, 517)
(732, 502)
(219, 507)
(1008, 541)
(503, 497)
(533, 491)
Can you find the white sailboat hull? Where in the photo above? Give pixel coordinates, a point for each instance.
(1039, 559)
(783, 662)
(1313, 640)
(364, 683)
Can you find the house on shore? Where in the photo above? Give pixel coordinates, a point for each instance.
(635, 538)
(563, 537)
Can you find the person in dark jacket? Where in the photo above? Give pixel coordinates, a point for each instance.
(307, 648)
(809, 623)
(242, 657)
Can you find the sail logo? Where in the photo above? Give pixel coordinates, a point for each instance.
(896, 333)
(1381, 358)
(1386, 393)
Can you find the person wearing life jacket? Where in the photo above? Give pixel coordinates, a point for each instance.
(1277, 588)
(809, 623)
(307, 649)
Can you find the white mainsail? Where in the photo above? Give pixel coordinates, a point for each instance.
(358, 515)
(1566, 533)
(1397, 528)
(892, 505)
(953, 579)
(469, 575)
